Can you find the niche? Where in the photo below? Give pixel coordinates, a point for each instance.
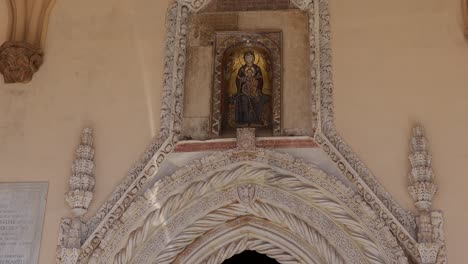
(247, 83)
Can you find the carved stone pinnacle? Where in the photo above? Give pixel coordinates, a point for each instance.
(19, 61)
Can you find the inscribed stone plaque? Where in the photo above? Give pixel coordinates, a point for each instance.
(22, 207)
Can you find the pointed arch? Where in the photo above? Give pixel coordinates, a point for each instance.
(276, 187)
(379, 213)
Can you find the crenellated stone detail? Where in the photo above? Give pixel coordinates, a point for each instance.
(82, 180)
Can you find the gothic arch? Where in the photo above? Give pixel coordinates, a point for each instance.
(119, 227)
(284, 191)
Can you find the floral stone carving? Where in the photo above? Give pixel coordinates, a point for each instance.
(19, 61)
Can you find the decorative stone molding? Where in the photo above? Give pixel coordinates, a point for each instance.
(252, 233)
(19, 61)
(73, 231)
(246, 138)
(21, 55)
(82, 180)
(422, 189)
(117, 217)
(201, 169)
(404, 237)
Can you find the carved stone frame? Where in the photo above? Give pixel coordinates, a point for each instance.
(272, 42)
(400, 221)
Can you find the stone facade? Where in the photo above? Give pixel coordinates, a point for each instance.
(156, 218)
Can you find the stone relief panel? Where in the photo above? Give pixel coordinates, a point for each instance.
(247, 81)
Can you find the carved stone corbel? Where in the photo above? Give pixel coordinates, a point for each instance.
(72, 230)
(21, 54)
(422, 189)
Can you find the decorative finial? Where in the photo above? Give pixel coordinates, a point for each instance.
(422, 188)
(82, 180)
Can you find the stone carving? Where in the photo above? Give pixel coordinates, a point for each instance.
(422, 189)
(72, 231)
(141, 234)
(82, 180)
(240, 246)
(246, 138)
(379, 203)
(21, 55)
(246, 194)
(125, 199)
(405, 238)
(244, 233)
(19, 61)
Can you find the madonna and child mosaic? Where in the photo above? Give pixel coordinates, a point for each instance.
(247, 76)
(247, 86)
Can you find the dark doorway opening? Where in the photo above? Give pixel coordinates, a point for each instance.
(250, 257)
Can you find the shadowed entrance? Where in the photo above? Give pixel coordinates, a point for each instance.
(250, 257)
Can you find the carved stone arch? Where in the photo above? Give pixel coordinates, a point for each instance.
(286, 192)
(376, 209)
(255, 234)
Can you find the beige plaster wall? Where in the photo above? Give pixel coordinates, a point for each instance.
(103, 68)
(396, 62)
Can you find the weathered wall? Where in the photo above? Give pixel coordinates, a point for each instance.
(396, 62)
(103, 68)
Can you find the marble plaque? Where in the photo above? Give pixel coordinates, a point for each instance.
(22, 208)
